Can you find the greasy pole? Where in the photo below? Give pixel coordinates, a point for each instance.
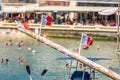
(76, 56)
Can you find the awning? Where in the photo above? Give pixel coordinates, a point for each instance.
(13, 9)
(17, 9)
(109, 11)
(69, 9)
(23, 9)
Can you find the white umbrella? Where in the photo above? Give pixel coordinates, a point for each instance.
(109, 11)
(13, 9)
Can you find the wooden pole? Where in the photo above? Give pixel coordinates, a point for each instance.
(76, 56)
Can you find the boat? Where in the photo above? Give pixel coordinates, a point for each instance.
(86, 73)
(80, 75)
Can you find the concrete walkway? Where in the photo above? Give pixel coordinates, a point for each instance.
(69, 30)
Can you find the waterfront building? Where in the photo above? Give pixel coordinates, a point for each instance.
(75, 9)
(67, 2)
(0, 5)
(19, 1)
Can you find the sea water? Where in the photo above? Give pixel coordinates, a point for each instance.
(40, 56)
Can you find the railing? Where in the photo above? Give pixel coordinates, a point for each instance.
(65, 27)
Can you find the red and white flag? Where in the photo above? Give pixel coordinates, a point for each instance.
(22, 24)
(25, 25)
(19, 24)
(86, 40)
(46, 20)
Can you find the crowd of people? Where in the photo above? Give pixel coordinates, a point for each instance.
(7, 61)
(63, 20)
(20, 44)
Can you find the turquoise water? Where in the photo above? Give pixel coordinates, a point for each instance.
(44, 57)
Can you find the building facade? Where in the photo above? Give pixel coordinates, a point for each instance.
(72, 3)
(19, 1)
(41, 2)
(106, 3)
(57, 3)
(0, 5)
(97, 1)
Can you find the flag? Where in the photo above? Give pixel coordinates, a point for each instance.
(22, 24)
(26, 25)
(19, 24)
(43, 21)
(46, 20)
(49, 20)
(86, 40)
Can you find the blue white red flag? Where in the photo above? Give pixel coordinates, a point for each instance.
(86, 40)
(25, 24)
(43, 23)
(46, 20)
(19, 24)
(22, 24)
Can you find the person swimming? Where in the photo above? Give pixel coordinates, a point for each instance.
(28, 48)
(7, 61)
(2, 60)
(19, 47)
(21, 60)
(84, 47)
(6, 43)
(10, 42)
(67, 66)
(21, 43)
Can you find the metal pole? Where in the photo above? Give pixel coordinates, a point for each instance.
(118, 22)
(79, 49)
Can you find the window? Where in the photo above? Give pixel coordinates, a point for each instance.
(98, 1)
(98, 4)
(0, 5)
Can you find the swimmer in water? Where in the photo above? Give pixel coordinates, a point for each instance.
(6, 44)
(2, 60)
(10, 42)
(29, 48)
(19, 47)
(21, 43)
(21, 60)
(85, 47)
(80, 66)
(7, 61)
(67, 66)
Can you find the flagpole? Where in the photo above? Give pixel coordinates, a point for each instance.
(41, 25)
(80, 48)
(80, 44)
